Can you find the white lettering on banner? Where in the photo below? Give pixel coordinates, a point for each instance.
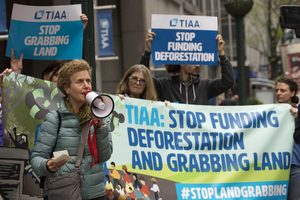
(231, 192)
(184, 36)
(104, 25)
(49, 29)
(184, 46)
(45, 51)
(104, 38)
(184, 56)
(46, 40)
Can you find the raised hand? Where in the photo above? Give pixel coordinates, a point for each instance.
(5, 72)
(16, 64)
(294, 112)
(221, 43)
(149, 39)
(84, 20)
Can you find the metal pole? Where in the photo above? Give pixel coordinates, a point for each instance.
(243, 76)
(89, 37)
(98, 58)
(238, 9)
(3, 37)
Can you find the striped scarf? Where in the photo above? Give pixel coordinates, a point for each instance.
(84, 113)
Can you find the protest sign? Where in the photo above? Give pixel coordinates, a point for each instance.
(184, 39)
(46, 32)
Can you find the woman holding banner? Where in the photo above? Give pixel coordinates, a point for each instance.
(16, 66)
(137, 83)
(286, 92)
(185, 86)
(70, 129)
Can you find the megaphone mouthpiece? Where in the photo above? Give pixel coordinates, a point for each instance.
(98, 103)
(101, 104)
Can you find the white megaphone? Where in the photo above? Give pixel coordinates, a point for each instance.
(101, 104)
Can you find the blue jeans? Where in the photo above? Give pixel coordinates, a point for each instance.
(294, 183)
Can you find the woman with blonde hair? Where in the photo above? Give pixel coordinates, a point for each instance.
(68, 129)
(137, 83)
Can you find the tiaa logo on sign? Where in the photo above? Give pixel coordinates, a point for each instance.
(104, 25)
(105, 36)
(184, 23)
(50, 14)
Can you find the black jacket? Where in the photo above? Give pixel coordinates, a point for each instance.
(197, 91)
(297, 127)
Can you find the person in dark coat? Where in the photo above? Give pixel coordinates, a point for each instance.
(185, 85)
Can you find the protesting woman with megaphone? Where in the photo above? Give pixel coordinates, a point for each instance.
(72, 128)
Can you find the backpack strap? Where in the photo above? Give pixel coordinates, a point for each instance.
(84, 136)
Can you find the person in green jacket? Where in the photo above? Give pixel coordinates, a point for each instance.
(74, 80)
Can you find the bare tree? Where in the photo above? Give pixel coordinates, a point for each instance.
(264, 33)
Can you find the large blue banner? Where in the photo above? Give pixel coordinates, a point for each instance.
(183, 39)
(46, 33)
(105, 34)
(3, 27)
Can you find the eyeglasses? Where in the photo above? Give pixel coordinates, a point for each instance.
(135, 80)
